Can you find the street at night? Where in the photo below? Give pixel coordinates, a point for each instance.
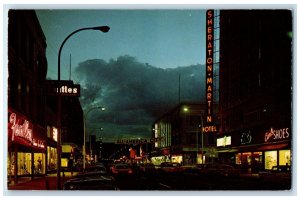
(118, 100)
(170, 182)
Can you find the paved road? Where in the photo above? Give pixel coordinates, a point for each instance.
(163, 183)
(48, 182)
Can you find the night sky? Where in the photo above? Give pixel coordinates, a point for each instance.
(133, 70)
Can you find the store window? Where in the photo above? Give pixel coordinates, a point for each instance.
(270, 159)
(51, 158)
(39, 163)
(24, 163)
(238, 158)
(256, 161)
(285, 157)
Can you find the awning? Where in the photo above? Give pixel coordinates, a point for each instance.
(253, 148)
(273, 147)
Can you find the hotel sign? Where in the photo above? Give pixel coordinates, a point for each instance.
(209, 64)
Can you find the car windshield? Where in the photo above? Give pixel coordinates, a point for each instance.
(122, 166)
(95, 168)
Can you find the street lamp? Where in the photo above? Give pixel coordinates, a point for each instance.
(84, 131)
(99, 28)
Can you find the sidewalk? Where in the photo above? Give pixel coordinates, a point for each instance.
(48, 182)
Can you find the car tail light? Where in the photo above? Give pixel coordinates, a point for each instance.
(129, 171)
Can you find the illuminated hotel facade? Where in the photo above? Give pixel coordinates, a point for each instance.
(255, 88)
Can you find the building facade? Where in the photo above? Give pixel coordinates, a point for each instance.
(27, 68)
(179, 136)
(255, 88)
(71, 121)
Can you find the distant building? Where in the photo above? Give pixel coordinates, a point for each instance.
(27, 69)
(178, 136)
(72, 114)
(255, 88)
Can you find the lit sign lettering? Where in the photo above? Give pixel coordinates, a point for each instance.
(209, 64)
(138, 141)
(246, 138)
(64, 90)
(73, 90)
(23, 131)
(18, 130)
(54, 134)
(208, 129)
(278, 134)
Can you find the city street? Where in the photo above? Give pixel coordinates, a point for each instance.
(168, 182)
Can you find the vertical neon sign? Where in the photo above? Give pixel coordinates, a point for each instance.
(209, 64)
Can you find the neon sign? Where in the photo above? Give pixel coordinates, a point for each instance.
(23, 130)
(209, 129)
(138, 141)
(209, 64)
(278, 134)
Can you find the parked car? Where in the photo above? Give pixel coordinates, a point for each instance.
(147, 168)
(170, 167)
(99, 183)
(95, 174)
(278, 171)
(95, 168)
(121, 169)
(223, 170)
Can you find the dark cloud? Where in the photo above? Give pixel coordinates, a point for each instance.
(135, 93)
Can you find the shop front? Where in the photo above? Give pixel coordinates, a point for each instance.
(254, 151)
(26, 147)
(51, 149)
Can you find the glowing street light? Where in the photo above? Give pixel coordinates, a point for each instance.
(103, 29)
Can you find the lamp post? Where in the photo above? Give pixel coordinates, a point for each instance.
(84, 131)
(100, 28)
(202, 146)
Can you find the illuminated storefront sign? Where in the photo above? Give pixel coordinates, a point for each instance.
(54, 136)
(277, 134)
(209, 64)
(67, 88)
(138, 141)
(222, 142)
(22, 128)
(246, 138)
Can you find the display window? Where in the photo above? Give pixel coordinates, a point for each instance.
(246, 158)
(10, 164)
(24, 163)
(270, 159)
(285, 157)
(39, 163)
(238, 158)
(51, 158)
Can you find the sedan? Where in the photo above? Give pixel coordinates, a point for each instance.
(99, 183)
(121, 169)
